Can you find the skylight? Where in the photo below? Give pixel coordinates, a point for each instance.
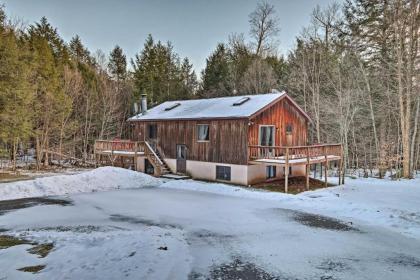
(172, 106)
(241, 101)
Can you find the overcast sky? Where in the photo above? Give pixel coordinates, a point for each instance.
(193, 26)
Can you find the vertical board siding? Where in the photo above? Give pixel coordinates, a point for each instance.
(227, 140)
(279, 115)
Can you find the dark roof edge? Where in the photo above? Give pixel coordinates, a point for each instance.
(189, 119)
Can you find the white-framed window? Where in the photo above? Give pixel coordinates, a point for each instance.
(271, 171)
(203, 132)
(267, 135)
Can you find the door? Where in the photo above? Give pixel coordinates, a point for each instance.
(152, 135)
(266, 138)
(148, 167)
(181, 159)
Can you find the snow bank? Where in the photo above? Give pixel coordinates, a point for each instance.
(100, 179)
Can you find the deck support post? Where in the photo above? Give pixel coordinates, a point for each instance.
(136, 148)
(308, 166)
(325, 167)
(286, 172)
(343, 171)
(320, 171)
(339, 172)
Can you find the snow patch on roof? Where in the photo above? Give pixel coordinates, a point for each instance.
(222, 107)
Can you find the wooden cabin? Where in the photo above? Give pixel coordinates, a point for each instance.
(240, 139)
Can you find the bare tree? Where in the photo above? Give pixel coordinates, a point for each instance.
(406, 32)
(264, 27)
(258, 78)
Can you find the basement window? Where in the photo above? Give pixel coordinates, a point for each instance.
(241, 101)
(223, 173)
(173, 106)
(203, 133)
(271, 172)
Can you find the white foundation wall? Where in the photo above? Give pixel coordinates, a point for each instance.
(171, 164)
(258, 173)
(207, 171)
(240, 174)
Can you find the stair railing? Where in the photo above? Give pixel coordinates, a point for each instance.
(153, 152)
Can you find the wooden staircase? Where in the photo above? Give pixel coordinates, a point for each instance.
(156, 159)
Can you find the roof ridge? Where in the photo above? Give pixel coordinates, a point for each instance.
(230, 96)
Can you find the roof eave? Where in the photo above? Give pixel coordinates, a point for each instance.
(189, 119)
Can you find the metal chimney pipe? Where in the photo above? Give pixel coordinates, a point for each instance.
(135, 108)
(143, 104)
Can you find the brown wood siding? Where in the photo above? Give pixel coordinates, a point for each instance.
(279, 115)
(227, 140)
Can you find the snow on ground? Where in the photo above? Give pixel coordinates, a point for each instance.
(197, 230)
(100, 179)
(382, 202)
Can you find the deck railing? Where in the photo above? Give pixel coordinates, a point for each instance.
(256, 152)
(119, 145)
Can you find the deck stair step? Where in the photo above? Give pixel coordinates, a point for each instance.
(157, 160)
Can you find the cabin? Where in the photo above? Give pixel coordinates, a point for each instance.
(241, 140)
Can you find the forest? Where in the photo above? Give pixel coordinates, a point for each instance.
(355, 69)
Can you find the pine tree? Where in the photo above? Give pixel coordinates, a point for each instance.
(188, 80)
(15, 93)
(79, 52)
(43, 29)
(50, 99)
(216, 76)
(159, 74)
(117, 64)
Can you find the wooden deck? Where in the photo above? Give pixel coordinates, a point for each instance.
(299, 155)
(125, 152)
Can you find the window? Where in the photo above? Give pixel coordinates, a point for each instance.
(267, 135)
(271, 171)
(152, 131)
(290, 170)
(289, 129)
(223, 173)
(203, 132)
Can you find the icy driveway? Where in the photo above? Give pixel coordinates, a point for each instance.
(156, 233)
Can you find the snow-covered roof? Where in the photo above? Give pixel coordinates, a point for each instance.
(223, 107)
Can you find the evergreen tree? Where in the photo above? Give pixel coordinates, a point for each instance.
(79, 52)
(159, 74)
(188, 80)
(217, 79)
(49, 94)
(43, 29)
(15, 93)
(117, 64)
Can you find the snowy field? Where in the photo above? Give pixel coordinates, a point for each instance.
(119, 224)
